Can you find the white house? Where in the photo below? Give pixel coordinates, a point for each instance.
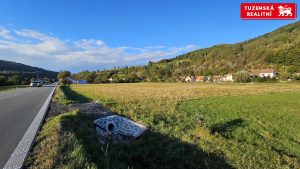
(110, 79)
(81, 81)
(208, 78)
(189, 79)
(267, 73)
(228, 78)
(73, 81)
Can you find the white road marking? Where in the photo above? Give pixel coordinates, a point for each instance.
(17, 158)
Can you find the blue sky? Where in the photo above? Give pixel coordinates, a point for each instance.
(100, 34)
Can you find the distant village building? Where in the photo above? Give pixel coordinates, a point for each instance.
(267, 73)
(217, 79)
(81, 81)
(146, 79)
(111, 79)
(189, 79)
(263, 73)
(228, 78)
(208, 78)
(200, 78)
(296, 74)
(71, 81)
(252, 75)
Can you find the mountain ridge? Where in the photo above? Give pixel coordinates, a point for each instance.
(19, 73)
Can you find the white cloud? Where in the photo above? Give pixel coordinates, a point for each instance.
(4, 33)
(44, 45)
(89, 43)
(33, 34)
(53, 53)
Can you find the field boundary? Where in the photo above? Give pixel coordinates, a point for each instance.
(17, 158)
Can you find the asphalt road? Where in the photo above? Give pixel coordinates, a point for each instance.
(18, 108)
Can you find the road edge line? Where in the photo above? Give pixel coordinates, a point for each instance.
(20, 153)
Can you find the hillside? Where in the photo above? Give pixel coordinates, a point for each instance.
(18, 73)
(13, 67)
(279, 49)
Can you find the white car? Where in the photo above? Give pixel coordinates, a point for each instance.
(35, 84)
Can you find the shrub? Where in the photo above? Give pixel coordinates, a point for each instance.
(242, 77)
(264, 79)
(2, 80)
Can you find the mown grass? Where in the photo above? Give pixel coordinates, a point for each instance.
(191, 126)
(256, 131)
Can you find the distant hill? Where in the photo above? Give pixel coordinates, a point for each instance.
(8, 68)
(279, 49)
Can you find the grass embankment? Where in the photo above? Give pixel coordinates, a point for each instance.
(250, 126)
(65, 136)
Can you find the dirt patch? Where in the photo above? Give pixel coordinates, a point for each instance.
(93, 110)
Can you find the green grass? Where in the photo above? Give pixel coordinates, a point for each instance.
(70, 141)
(191, 126)
(64, 95)
(263, 130)
(154, 150)
(62, 143)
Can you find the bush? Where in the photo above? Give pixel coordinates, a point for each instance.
(297, 78)
(285, 76)
(24, 82)
(242, 77)
(14, 80)
(63, 74)
(264, 79)
(64, 81)
(3, 80)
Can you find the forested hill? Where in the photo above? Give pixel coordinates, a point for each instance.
(8, 68)
(279, 49)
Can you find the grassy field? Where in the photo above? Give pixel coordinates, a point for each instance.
(191, 126)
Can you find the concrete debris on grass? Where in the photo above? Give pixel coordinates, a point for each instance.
(110, 127)
(118, 129)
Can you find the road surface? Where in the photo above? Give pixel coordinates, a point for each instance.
(18, 108)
